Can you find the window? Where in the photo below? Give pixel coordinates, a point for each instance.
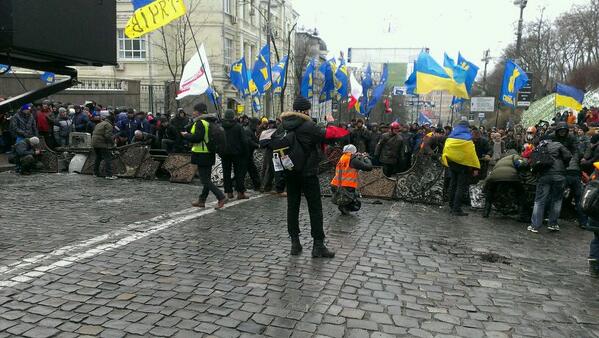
(130, 49)
(227, 6)
(228, 51)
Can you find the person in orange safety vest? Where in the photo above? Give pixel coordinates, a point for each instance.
(345, 182)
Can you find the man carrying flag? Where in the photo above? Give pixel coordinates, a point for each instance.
(459, 155)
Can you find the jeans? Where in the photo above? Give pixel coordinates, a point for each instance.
(310, 186)
(205, 173)
(550, 192)
(573, 182)
(458, 185)
(103, 154)
(236, 162)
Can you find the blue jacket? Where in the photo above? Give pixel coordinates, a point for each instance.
(127, 128)
(82, 122)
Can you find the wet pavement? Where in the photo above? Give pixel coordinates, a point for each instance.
(81, 256)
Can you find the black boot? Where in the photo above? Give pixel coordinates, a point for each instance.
(594, 268)
(319, 250)
(487, 210)
(296, 246)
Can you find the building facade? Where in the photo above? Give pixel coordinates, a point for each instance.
(229, 29)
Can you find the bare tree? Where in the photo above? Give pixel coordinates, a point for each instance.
(307, 47)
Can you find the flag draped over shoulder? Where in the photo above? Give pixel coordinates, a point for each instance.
(149, 15)
(514, 78)
(307, 80)
(568, 96)
(239, 77)
(459, 148)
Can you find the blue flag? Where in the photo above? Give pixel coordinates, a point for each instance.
(471, 71)
(342, 83)
(423, 119)
(366, 85)
(213, 96)
(48, 77)
(379, 90)
(307, 81)
(261, 73)
(239, 77)
(256, 106)
(514, 78)
(326, 68)
(457, 73)
(278, 75)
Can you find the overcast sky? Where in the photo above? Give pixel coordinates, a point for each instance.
(469, 26)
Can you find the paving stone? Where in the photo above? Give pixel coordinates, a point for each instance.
(41, 332)
(331, 330)
(91, 330)
(362, 324)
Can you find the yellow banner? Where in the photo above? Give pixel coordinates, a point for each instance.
(153, 16)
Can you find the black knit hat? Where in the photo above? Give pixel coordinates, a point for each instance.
(301, 104)
(229, 114)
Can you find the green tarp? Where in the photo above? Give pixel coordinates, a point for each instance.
(544, 109)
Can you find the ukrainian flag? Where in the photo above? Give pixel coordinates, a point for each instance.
(459, 148)
(568, 96)
(431, 76)
(150, 15)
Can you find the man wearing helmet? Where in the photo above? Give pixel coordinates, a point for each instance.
(388, 149)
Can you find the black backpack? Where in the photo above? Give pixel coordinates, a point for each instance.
(589, 202)
(217, 140)
(541, 159)
(285, 143)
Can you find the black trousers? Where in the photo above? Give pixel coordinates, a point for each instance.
(458, 185)
(205, 173)
(103, 154)
(491, 190)
(310, 186)
(237, 162)
(271, 175)
(253, 171)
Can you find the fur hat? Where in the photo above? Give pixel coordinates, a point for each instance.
(301, 104)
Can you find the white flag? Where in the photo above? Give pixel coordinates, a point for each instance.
(355, 92)
(193, 80)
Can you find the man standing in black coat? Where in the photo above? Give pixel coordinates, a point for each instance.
(309, 136)
(234, 155)
(202, 156)
(253, 143)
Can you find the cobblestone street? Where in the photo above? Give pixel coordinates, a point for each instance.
(84, 256)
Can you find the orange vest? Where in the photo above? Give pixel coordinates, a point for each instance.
(345, 176)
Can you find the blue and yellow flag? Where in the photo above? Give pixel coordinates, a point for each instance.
(460, 149)
(568, 96)
(239, 77)
(458, 75)
(307, 80)
(514, 78)
(261, 73)
(430, 76)
(213, 96)
(149, 15)
(278, 75)
(327, 70)
(379, 90)
(256, 106)
(342, 77)
(471, 71)
(48, 77)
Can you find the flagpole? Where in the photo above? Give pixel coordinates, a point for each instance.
(201, 60)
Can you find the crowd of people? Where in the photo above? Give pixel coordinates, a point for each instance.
(552, 157)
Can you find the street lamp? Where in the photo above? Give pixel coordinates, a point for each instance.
(522, 4)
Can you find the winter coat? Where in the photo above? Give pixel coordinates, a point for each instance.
(389, 148)
(561, 157)
(23, 148)
(360, 137)
(127, 128)
(308, 135)
(102, 135)
(22, 125)
(375, 137)
(82, 122)
(360, 162)
(180, 122)
(482, 147)
(237, 143)
(202, 159)
(43, 120)
(505, 169)
(253, 142)
(64, 126)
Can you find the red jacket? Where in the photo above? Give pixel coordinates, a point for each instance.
(42, 121)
